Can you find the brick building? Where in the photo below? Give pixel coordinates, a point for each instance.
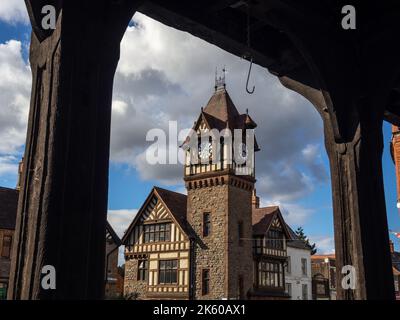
(216, 242)
(323, 270)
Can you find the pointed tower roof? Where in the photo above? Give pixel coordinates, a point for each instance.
(221, 112)
(220, 106)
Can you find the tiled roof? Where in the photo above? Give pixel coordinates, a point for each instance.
(176, 203)
(220, 113)
(322, 256)
(221, 106)
(262, 218)
(8, 208)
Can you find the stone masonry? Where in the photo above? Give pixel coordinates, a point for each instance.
(131, 285)
(219, 252)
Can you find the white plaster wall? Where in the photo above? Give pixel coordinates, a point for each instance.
(295, 277)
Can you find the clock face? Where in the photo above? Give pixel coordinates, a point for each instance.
(205, 150)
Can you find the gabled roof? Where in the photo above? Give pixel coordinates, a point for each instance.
(175, 203)
(262, 219)
(112, 233)
(8, 208)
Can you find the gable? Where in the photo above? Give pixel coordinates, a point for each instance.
(279, 223)
(160, 206)
(202, 126)
(154, 211)
(268, 217)
(276, 223)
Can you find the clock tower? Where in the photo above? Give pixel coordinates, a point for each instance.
(219, 177)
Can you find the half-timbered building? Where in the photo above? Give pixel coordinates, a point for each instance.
(215, 242)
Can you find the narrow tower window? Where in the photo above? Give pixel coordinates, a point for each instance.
(205, 282)
(206, 224)
(240, 232)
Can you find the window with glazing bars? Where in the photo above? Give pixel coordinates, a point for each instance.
(158, 232)
(168, 271)
(270, 274)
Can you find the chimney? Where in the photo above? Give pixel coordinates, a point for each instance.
(391, 246)
(255, 201)
(20, 168)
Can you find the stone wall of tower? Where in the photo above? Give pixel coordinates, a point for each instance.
(240, 257)
(220, 251)
(209, 252)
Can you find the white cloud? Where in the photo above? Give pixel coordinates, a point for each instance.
(324, 244)
(15, 86)
(121, 219)
(165, 74)
(8, 165)
(13, 11)
(295, 215)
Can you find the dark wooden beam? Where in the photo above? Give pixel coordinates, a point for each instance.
(392, 115)
(62, 208)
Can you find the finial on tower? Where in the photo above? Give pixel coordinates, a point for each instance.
(220, 80)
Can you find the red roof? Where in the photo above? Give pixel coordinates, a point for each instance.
(323, 256)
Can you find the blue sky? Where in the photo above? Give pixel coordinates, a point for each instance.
(171, 78)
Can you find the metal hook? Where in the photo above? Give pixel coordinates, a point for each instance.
(248, 77)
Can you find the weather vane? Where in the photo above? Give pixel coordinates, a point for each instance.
(220, 80)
